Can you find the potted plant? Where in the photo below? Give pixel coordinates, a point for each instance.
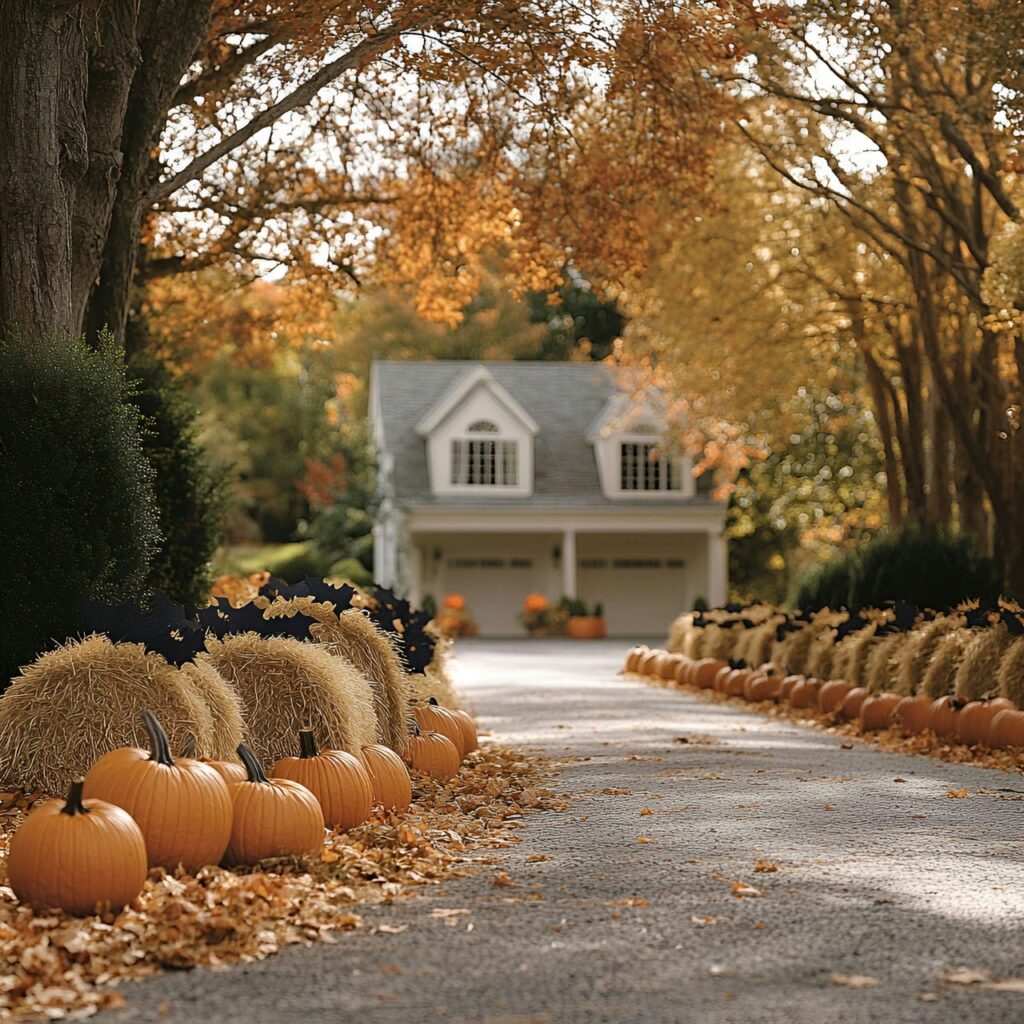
(454, 619)
(584, 624)
(541, 618)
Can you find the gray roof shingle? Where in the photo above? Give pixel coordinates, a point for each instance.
(564, 399)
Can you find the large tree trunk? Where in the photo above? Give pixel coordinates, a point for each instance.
(43, 155)
(880, 398)
(940, 489)
(169, 34)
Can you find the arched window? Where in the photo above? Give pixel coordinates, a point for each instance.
(483, 427)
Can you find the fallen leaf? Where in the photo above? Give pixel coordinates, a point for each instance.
(645, 811)
(448, 912)
(741, 889)
(966, 976)
(846, 746)
(898, 779)
(535, 858)
(502, 880)
(1006, 985)
(703, 919)
(644, 839)
(957, 794)
(392, 929)
(765, 866)
(612, 791)
(853, 980)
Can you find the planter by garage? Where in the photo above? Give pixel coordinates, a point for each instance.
(587, 627)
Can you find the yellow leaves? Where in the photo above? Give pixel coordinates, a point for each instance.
(981, 978)
(629, 901)
(958, 794)
(743, 891)
(765, 866)
(703, 919)
(645, 811)
(645, 839)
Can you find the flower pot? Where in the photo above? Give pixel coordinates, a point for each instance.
(587, 627)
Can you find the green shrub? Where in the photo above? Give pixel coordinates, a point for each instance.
(190, 494)
(77, 513)
(927, 568)
(353, 570)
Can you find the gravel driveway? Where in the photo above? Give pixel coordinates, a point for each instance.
(623, 908)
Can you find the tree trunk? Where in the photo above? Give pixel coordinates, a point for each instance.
(43, 154)
(970, 500)
(883, 417)
(940, 506)
(169, 33)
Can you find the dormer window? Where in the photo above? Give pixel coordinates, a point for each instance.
(642, 468)
(484, 461)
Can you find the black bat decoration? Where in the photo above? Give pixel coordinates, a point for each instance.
(850, 625)
(1012, 622)
(978, 618)
(164, 628)
(294, 626)
(321, 590)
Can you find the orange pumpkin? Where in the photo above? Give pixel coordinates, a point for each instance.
(684, 668)
(433, 753)
(943, 716)
(1007, 729)
(633, 658)
(182, 807)
(763, 688)
(850, 708)
(272, 817)
(337, 780)
(735, 681)
(431, 717)
(804, 693)
(877, 710)
(467, 727)
(646, 665)
(229, 771)
(975, 720)
(77, 856)
(788, 682)
(720, 678)
(912, 715)
(389, 779)
(705, 671)
(832, 694)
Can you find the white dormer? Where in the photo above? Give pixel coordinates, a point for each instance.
(629, 445)
(479, 439)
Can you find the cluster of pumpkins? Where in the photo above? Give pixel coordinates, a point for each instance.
(138, 809)
(996, 722)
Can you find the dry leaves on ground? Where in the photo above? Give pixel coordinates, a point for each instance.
(853, 980)
(52, 965)
(981, 977)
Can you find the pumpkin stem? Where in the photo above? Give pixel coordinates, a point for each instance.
(307, 744)
(160, 750)
(252, 766)
(74, 804)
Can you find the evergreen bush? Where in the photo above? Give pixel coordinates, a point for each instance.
(77, 514)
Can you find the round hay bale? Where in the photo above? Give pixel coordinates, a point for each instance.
(940, 675)
(1011, 672)
(918, 650)
(227, 726)
(353, 636)
(880, 667)
(285, 685)
(976, 675)
(80, 701)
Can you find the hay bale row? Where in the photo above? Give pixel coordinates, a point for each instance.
(978, 671)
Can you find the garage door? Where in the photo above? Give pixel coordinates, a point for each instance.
(494, 588)
(640, 594)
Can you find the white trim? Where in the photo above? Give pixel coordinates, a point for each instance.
(479, 376)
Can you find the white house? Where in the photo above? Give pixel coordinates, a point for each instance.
(501, 479)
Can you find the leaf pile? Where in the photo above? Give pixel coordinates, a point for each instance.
(52, 965)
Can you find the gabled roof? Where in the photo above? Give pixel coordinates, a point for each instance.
(561, 399)
(477, 377)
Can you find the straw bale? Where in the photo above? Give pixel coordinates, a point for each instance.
(918, 650)
(225, 706)
(286, 684)
(1011, 672)
(940, 675)
(977, 674)
(83, 699)
(882, 663)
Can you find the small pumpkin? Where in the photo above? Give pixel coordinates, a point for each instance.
(705, 670)
(788, 682)
(467, 726)
(912, 714)
(683, 669)
(877, 710)
(633, 658)
(389, 779)
(1007, 729)
(77, 856)
(182, 806)
(337, 779)
(736, 681)
(229, 771)
(433, 753)
(645, 666)
(431, 717)
(943, 716)
(975, 720)
(852, 702)
(760, 688)
(832, 694)
(721, 676)
(272, 817)
(804, 693)
(668, 666)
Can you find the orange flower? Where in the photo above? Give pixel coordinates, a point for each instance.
(535, 603)
(455, 602)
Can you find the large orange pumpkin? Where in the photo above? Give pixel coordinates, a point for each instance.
(182, 807)
(229, 771)
(337, 780)
(1007, 730)
(467, 727)
(804, 693)
(431, 717)
(736, 681)
(912, 714)
(760, 687)
(877, 710)
(77, 855)
(433, 753)
(272, 817)
(832, 694)
(975, 720)
(943, 716)
(788, 682)
(392, 787)
(704, 672)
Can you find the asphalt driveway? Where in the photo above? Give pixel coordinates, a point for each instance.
(876, 886)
